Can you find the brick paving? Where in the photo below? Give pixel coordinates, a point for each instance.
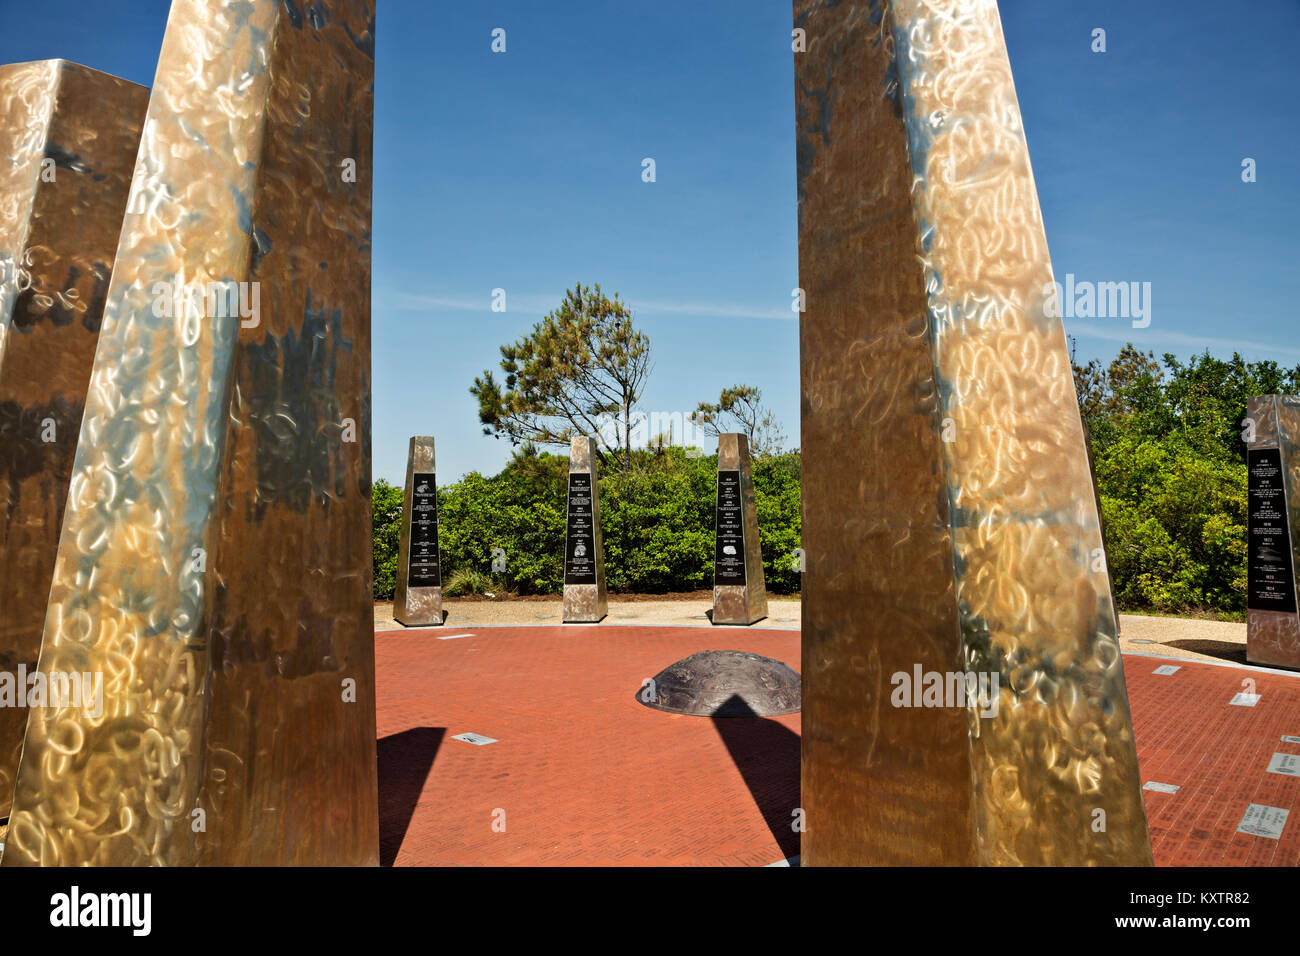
(1190, 735)
(583, 774)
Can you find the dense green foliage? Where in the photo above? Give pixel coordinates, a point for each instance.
(656, 518)
(1168, 450)
(1171, 471)
(386, 517)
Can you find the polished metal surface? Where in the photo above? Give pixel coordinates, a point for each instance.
(214, 563)
(1273, 637)
(950, 524)
(587, 603)
(724, 684)
(1101, 520)
(68, 141)
(419, 606)
(747, 603)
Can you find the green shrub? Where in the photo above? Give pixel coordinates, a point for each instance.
(1171, 476)
(1171, 472)
(386, 516)
(780, 515)
(656, 519)
(468, 581)
(1175, 524)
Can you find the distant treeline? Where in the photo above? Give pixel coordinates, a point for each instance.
(1166, 440)
(656, 518)
(1171, 469)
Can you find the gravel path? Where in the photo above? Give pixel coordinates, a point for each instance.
(783, 613)
(1197, 640)
(1164, 636)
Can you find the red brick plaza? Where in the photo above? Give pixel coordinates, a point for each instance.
(581, 773)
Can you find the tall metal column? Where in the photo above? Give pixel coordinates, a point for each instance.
(214, 563)
(1273, 523)
(739, 593)
(417, 594)
(950, 528)
(584, 554)
(68, 142)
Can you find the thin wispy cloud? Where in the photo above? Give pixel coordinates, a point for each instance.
(410, 302)
(540, 304)
(1154, 336)
(723, 310)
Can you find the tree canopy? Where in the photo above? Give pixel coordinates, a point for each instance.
(743, 405)
(1171, 473)
(581, 371)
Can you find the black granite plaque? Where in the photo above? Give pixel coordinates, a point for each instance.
(580, 533)
(422, 568)
(1271, 578)
(729, 528)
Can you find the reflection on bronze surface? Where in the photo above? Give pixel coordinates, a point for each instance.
(747, 603)
(587, 603)
(415, 607)
(1273, 637)
(214, 563)
(950, 524)
(68, 139)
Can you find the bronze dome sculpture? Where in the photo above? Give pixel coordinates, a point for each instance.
(724, 684)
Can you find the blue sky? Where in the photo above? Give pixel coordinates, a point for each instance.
(522, 171)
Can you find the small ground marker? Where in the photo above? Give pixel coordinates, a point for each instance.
(1260, 820)
(478, 740)
(1160, 787)
(1288, 764)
